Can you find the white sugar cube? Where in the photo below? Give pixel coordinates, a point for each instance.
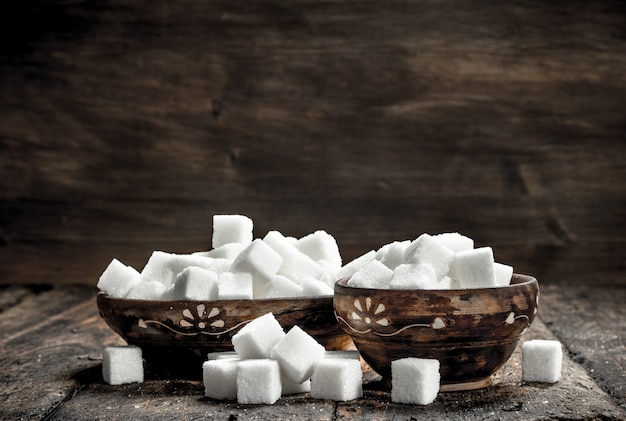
(147, 290)
(312, 287)
(220, 378)
(338, 379)
(281, 287)
(122, 364)
(426, 249)
(227, 251)
(414, 276)
(448, 283)
(353, 266)
(474, 268)
(258, 382)
(195, 283)
(455, 241)
(320, 245)
(296, 264)
(231, 229)
(118, 279)
(541, 361)
(392, 254)
(259, 260)
(234, 286)
(293, 388)
(297, 352)
(503, 274)
(257, 338)
(223, 355)
(415, 380)
(372, 275)
(163, 267)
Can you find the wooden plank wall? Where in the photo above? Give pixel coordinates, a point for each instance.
(124, 126)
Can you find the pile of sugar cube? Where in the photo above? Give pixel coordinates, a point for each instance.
(442, 261)
(237, 267)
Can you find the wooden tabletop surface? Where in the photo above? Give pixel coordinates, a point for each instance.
(51, 342)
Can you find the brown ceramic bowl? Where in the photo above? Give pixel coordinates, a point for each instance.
(472, 332)
(180, 334)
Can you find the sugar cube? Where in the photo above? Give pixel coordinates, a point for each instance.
(297, 352)
(474, 268)
(223, 355)
(258, 382)
(234, 286)
(312, 287)
(196, 283)
(414, 276)
(259, 260)
(415, 380)
(257, 338)
(281, 287)
(147, 290)
(353, 266)
(118, 279)
(427, 249)
(293, 388)
(541, 361)
(320, 245)
(338, 379)
(231, 229)
(122, 364)
(220, 378)
(373, 275)
(296, 264)
(343, 353)
(455, 241)
(227, 251)
(503, 274)
(392, 254)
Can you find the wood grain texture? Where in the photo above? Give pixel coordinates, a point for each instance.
(126, 126)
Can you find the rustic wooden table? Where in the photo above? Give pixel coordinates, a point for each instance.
(51, 342)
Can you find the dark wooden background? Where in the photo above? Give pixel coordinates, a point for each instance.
(124, 126)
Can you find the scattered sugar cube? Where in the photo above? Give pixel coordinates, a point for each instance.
(426, 249)
(259, 260)
(223, 355)
(414, 380)
(320, 245)
(296, 264)
(392, 254)
(122, 364)
(297, 352)
(541, 361)
(118, 279)
(455, 241)
(258, 382)
(474, 268)
(338, 379)
(373, 275)
(414, 276)
(195, 283)
(231, 229)
(257, 338)
(282, 287)
(234, 286)
(503, 274)
(220, 378)
(352, 267)
(293, 388)
(312, 287)
(147, 290)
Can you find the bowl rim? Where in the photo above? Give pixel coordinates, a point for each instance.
(517, 280)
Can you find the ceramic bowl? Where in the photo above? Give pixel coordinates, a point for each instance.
(181, 333)
(472, 332)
